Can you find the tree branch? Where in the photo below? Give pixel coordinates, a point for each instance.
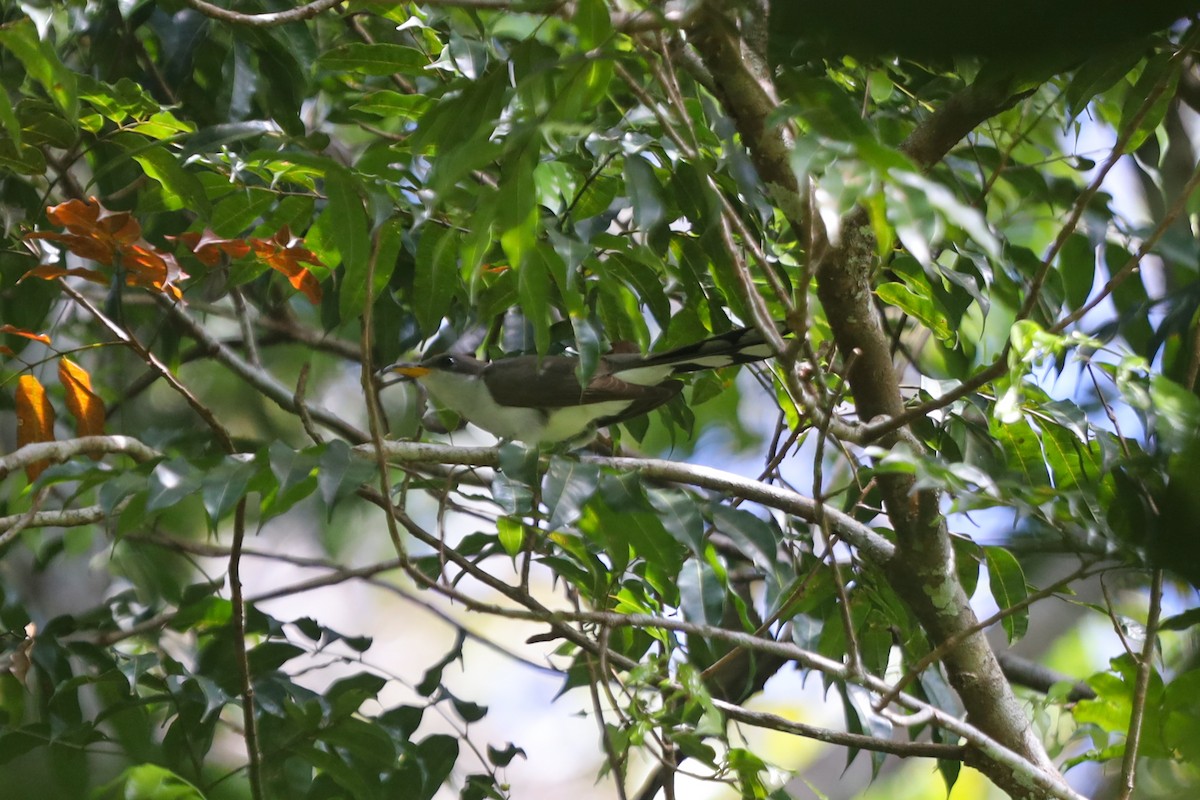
(69, 448)
(922, 571)
(874, 547)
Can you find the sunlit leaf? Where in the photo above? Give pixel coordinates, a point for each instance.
(82, 402)
(1007, 582)
(285, 253)
(35, 419)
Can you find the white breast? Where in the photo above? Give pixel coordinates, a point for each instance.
(468, 397)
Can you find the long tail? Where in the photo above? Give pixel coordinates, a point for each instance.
(741, 346)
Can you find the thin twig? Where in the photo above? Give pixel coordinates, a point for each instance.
(302, 409)
(1141, 688)
(261, 380)
(203, 411)
(241, 653)
(246, 324)
(371, 394)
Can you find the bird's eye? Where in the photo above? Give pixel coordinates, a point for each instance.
(445, 361)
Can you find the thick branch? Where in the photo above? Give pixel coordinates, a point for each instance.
(870, 544)
(922, 571)
(69, 448)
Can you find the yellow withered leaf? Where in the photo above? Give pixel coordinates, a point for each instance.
(82, 402)
(35, 419)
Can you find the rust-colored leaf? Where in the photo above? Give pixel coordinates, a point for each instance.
(49, 272)
(109, 238)
(285, 253)
(15, 331)
(94, 232)
(151, 268)
(35, 419)
(97, 250)
(82, 402)
(208, 247)
(92, 219)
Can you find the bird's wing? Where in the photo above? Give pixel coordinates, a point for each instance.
(648, 398)
(741, 346)
(557, 386)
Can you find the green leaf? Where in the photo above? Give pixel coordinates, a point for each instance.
(567, 487)
(517, 219)
(162, 125)
(23, 160)
(9, 119)
(512, 535)
(1176, 413)
(755, 538)
(1181, 712)
(593, 22)
(1077, 263)
(701, 593)
(394, 105)
(623, 511)
(1007, 582)
(350, 778)
(533, 289)
(347, 695)
(645, 193)
(340, 473)
(348, 218)
(370, 746)
(44, 125)
(1023, 451)
(433, 676)
(235, 214)
(1100, 73)
(149, 782)
(680, 515)
(437, 754)
(374, 59)
(224, 485)
(42, 64)
(587, 345)
(824, 107)
(502, 758)
(15, 743)
(181, 189)
(921, 307)
(567, 279)
(436, 276)
(170, 482)
(1160, 74)
(389, 241)
(294, 472)
(470, 712)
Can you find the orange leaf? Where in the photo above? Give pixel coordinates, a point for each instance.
(35, 419)
(94, 232)
(82, 402)
(283, 253)
(96, 250)
(15, 331)
(208, 247)
(108, 238)
(151, 268)
(49, 272)
(94, 220)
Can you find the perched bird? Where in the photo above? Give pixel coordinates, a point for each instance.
(541, 400)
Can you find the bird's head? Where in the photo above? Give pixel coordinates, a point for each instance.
(441, 364)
